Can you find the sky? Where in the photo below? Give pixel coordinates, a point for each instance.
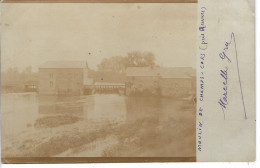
(35, 33)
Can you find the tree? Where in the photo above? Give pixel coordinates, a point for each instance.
(28, 70)
(133, 59)
(140, 59)
(116, 63)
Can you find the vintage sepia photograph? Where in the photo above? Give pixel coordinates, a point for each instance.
(98, 80)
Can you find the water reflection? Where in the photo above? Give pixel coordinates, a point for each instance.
(102, 108)
(18, 112)
(110, 108)
(51, 105)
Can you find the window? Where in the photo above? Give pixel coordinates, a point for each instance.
(51, 84)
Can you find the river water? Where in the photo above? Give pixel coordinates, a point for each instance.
(106, 125)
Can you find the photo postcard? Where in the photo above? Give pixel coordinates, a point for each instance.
(90, 81)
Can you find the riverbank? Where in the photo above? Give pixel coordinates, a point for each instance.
(97, 125)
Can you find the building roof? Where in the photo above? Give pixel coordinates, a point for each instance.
(143, 71)
(107, 76)
(108, 84)
(176, 72)
(31, 82)
(163, 72)
(64, 64)
(89, 81)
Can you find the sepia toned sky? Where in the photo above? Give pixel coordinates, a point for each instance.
(35, 33)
